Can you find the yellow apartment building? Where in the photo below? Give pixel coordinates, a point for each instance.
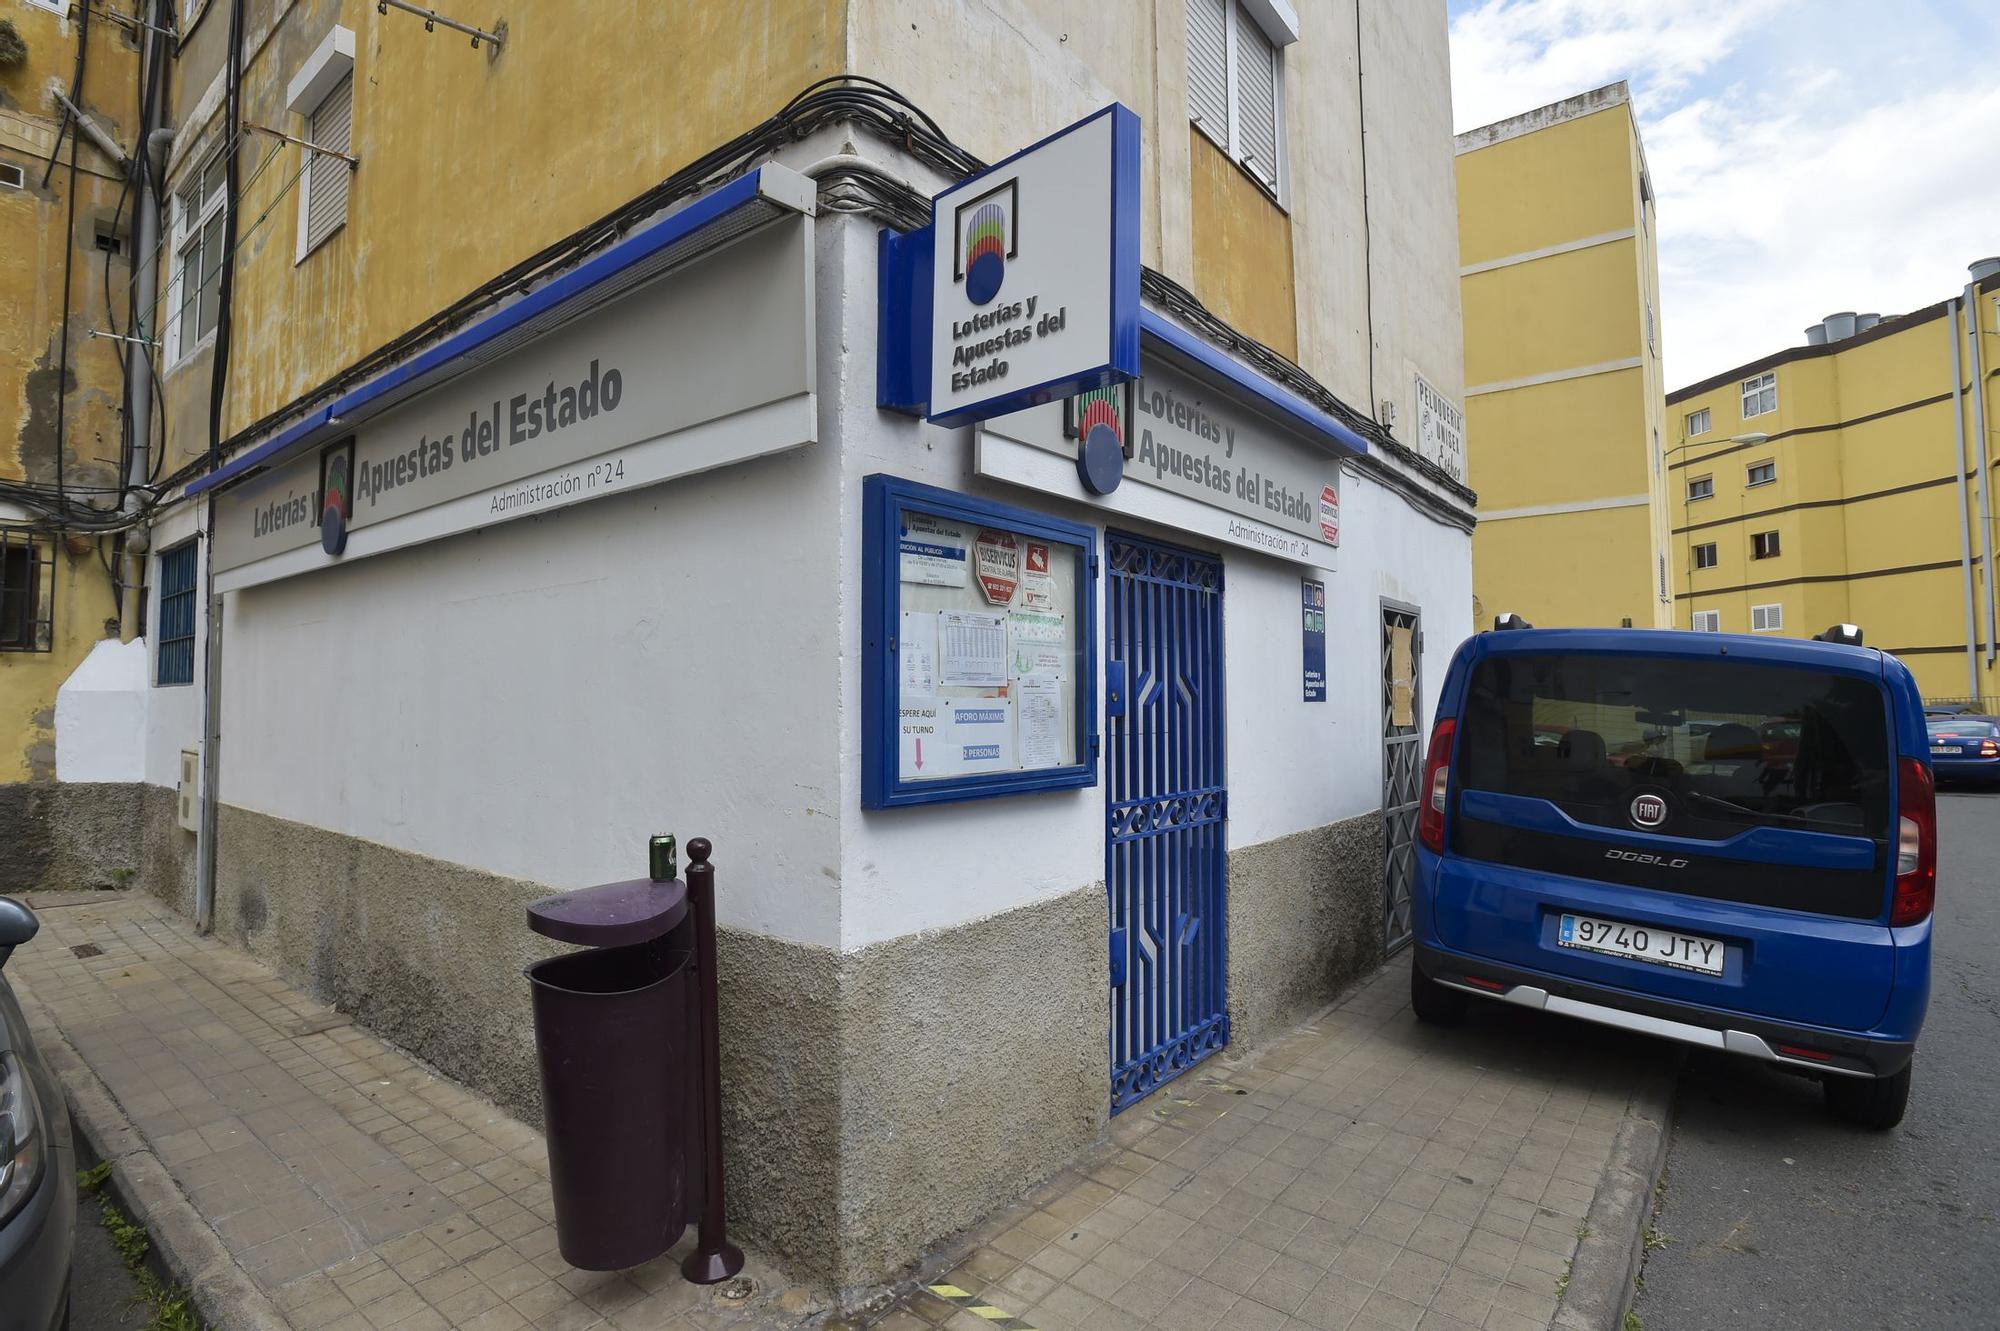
(1850, 480)
(65, 225)
(1564, 399)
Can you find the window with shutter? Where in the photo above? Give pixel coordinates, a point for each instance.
(1208, 67)
(1256, 100)
(323, 204)
(1233, 72)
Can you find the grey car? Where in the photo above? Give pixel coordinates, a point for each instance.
(37, 1163)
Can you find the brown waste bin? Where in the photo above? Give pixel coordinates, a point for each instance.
(617, 1034)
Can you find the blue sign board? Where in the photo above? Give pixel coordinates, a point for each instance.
(1312, 617)
(1024, 288)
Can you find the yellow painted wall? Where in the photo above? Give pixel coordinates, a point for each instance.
(1890, 562)
(1561, 569)
(1540, 306)
(36, 226)
(1242, 250)
(1558, 443)
(1563, 312)
(471, 162)
(1559, 184)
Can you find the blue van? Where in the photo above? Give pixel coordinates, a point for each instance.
(1723, 840)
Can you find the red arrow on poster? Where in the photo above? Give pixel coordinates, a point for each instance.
(999, 562)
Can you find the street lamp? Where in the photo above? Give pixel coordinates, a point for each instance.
(1687, 502)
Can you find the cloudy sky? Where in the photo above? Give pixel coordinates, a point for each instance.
(1808, 155)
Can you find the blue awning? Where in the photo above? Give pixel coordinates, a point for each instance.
(1206, 359)
(742, 205)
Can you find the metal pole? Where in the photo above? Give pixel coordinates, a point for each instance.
(713, 1259)
(139, 367)
(1964, 522)
(1979, 453)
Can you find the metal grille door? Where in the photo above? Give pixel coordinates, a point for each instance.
(1166, 806)
(1402, 767)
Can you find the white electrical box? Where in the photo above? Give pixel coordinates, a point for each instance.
(189, 790)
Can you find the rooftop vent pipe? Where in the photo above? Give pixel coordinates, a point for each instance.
(1867, 321)
(1981, 269)
(1816, 335)
(1839, 326)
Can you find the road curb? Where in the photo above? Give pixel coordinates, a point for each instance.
(1607, 1258)
(144, 1189)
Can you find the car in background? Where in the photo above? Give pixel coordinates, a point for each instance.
(1965, 747)
(1949, 709)
(37, 1163)
(1763, 888)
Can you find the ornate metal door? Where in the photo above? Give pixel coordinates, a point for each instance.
(1166, 806)
(1402, 766)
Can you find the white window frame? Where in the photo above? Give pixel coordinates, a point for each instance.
(330, 64)
(1773, 616)
(1714, 556)
(183, 229)
(1753, 391)
(1699, 422)
(1750, 480)
(1777, 544)
(1275, 20)
(1705, 621)
(13, 176)
(1709, 493)
(53, 6)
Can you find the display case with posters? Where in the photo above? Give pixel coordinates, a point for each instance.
(980, 648)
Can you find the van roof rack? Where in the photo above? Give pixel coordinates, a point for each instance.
(1508, 621)
(1846, 634)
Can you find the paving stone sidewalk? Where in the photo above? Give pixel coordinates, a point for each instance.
(356, 1190)
(1360, 1171)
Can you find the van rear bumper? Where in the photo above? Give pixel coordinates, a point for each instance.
(1832, 1052)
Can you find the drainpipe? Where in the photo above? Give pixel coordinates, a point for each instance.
(211, 732)
(1979, 441)
(1964, 521)
(154, 141)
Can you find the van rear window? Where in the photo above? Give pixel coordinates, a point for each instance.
(1728, 744)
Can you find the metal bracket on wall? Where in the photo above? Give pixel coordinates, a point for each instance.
(432, 18)
(353, 162)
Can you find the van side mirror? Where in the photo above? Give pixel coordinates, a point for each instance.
(17, 925)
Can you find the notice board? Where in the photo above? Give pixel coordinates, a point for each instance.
(981, 662)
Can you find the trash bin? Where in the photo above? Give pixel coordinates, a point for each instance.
(618, 1036)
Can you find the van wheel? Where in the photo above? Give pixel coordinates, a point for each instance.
(1437, 1004)
(1876, 1103)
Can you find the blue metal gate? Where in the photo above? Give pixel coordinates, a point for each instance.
(1166, 807)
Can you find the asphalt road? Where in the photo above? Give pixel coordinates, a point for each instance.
(103, 1295)
(1779, 1216)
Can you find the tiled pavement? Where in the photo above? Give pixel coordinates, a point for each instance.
(1358, 1172)
(356, 1189)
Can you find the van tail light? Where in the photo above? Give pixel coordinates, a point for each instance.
(1916, 844)
(1437, 776)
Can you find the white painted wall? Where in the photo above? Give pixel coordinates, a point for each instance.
(1293, 765)
(101, 713)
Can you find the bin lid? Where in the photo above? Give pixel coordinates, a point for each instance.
(613, 915)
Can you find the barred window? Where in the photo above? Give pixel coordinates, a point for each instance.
(174, 663)
(27, 587)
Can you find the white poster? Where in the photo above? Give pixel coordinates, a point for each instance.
(1041, 737)
(972, 648)
(1038, 584)
(1035, 626)
(931, 551)
(917, 648)
(944, 737)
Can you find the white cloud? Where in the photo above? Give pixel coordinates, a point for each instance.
(1805, 160)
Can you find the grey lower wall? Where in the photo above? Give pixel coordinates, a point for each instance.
(69, 835)
(974, 1064)
(874, 1103)
(1305, 921)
